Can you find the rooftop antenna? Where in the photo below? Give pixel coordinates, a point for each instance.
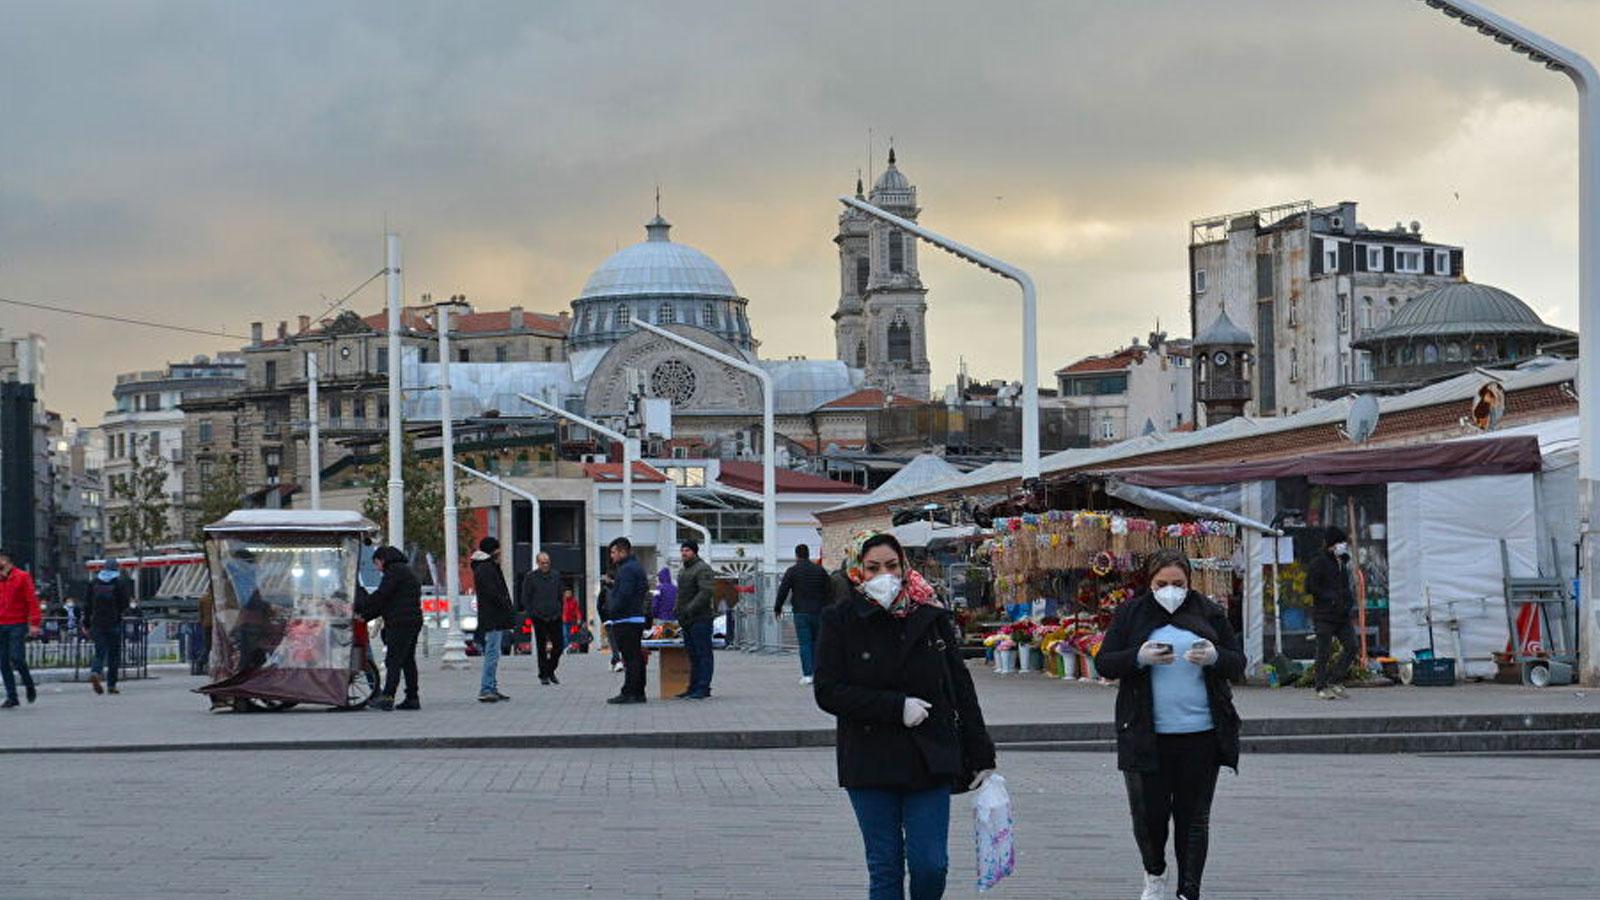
(869, 150)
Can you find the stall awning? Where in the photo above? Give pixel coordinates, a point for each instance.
(1150, 498)
(1422, 462)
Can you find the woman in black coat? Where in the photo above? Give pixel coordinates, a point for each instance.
(1173, 653)
(909, 728)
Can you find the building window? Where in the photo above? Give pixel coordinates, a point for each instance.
(1408, 261)
(1330, 256)
(501, 353)
(863, 273)
(666, 314)
(1294, 312)
(1441, 262)
(273, 460)
(383, 360)
(1108, 430)
(1408, 355)
(358, 408)
(153, 444)
(205, 431)
(1344, 313)
(1294, 364)
(624, 316)
(422, 354)
(861, 355)
(270, 373)
(1263, 276)
(205, 471)
(1096, 385)
(463, 355)
(1364, 366)
(899, 341)
(897, 252)
(1480, 351)
(335, 408)
(708, 315)
(152, 402)
(1366, 313)
(549, 353)
(1374, 259)
(1430, 354)
(1452, 352)
(1199, 281)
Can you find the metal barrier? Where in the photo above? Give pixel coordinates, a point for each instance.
(61, 647)
(755, 629)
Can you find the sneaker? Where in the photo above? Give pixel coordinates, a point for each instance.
(488, 697)
(625, 700)
(1155, 887)
(408, 703)
(383, 702)
(682, 696)
(706, 696)
(1340, 692)
(500, 696)
(113, 691)
(1325, 694)
(94, 682)
(11, 703)
(544, 681)
(554, 679)
(806, 679)
(616, 667)
(33, 693)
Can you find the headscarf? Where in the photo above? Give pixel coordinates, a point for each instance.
(914, 589)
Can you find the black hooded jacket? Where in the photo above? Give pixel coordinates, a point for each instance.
(398, 599)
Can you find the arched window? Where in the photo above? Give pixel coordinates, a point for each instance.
(861, 355)
(1366, 313)
(624, 316)
(1388, 356)
(897, 252)
(1408, 354)
(899, 341)
(666, 314)
(1480, 350)
(708, 315)
(1452, 352)
(863, 271)
(1430, 354)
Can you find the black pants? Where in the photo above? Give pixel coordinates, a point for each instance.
(1349, 647)
(549, 639)
(702, 661)
(400, 657)
(1180, 789)
(625, 637)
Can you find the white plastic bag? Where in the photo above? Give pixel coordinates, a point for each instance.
(991, 827)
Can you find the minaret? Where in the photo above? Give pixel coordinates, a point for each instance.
(855, 267)
(895, 301)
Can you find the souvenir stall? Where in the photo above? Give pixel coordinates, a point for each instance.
(1060, 576)
(947, 556)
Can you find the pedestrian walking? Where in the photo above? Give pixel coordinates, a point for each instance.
(572, 618)
(20, 618)
(108, 599)
(495, 616)
(624, 612)
(1333, 602)
(542, 602)
(697, 585)
(1172, 652)
(909, 729)
(812, 589)
(398, 601)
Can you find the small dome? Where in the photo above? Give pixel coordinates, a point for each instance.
(657, 267)
(1463, 309)
(893, 188)
(1223, 333)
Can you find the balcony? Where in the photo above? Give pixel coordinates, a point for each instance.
(345, 424)
(1230, 390)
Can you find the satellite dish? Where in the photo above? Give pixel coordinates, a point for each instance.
(1362, 420)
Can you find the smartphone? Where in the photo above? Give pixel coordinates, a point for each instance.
(1164, 648)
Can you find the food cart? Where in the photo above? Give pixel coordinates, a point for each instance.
(284, 630)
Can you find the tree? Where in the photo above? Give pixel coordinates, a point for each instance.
(221, 493)
(143, 517)
(424, 493)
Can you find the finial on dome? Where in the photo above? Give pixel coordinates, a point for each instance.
(891, 151)
(859, 188)
(656, 229)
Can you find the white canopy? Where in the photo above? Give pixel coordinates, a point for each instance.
(923, 533)
(292, 520)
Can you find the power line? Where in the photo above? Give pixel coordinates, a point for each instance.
(120, 319)
(353, 291)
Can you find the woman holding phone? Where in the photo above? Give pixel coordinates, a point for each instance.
(1173, 653)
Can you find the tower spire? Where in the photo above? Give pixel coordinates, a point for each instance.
(859, 188)
(658, 200)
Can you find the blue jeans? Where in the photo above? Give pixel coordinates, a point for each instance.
(697, 642)
(805, 631)
(107, 654)
(904, 830)
(14, 655)
(490, 684)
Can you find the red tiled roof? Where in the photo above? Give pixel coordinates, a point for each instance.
(868, 398)
(812, 445)
(612, 472)
(1119, 360)
(414, 319)
(746, 476)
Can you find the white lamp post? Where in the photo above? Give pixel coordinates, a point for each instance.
(1030, 337)
(397, 484)
(455, 644)
(704, 532)
(315, 430)
(1553, 56)
(514, 490)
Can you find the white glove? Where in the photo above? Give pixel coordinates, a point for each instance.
(1202, 652)
(916, 712)
(1152, 654)
(979, 779)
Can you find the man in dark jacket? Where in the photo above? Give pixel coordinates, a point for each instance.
(813, 591)
(1328, 582)
(495, 616)
(694, 613)
(398, 601)
(624, 612)
(102, 619)
(541, 602)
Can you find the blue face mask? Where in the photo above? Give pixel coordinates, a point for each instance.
(107, 575)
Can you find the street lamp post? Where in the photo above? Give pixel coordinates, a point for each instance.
(1030, 336)
(455, 645)
(315, 429)
(397, 484)
(1553, 56)
(535, 536)
(696, 527)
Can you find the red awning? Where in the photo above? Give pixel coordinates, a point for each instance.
(1421, 462)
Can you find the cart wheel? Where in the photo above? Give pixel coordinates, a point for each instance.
(1407, 672)
(363, 687)
(1538, 676)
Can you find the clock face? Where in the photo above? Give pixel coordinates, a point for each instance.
(344, 352)
(1220, 357)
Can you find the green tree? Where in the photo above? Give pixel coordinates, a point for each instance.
(220, 494)
(424, 507)
(143, 517)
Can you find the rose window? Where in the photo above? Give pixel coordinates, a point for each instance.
(673, 380)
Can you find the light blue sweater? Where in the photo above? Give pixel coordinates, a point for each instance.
(1181, 703)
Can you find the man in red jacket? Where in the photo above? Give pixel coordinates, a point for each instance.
(20, 618)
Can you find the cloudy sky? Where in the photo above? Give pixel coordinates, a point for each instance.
(218, 163)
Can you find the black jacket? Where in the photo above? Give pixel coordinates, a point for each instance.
(811, 585)
(626, 597)
(105, 605)
(697, 589)
(398, 599)
(868, 663)
(541, 595)
(494, 598)
(1118, 658)
(1328, 582)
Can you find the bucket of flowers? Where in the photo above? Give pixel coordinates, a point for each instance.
(1005, 652)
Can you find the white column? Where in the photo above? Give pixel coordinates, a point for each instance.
(315, 429)
(1589, 366)
(397, 487)
(455, 645)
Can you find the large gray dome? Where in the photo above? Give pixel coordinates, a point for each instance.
(657, 266)
(1463, 308)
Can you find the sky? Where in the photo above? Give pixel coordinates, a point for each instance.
(214, 164)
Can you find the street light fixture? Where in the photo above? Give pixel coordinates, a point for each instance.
(536, 538)
(397, 485)
(704, 532)
(1553, 56)
(455, 645)
(1030, 336)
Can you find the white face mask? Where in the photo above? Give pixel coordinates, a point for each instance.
(1341, 549)
(1171, 597)
(882, 589)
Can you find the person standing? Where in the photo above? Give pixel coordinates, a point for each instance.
(398, 601)
(813, 590)
(1173, 653)
(572, 618)
(697, 586)
(541, 602)
(495, 616)
(1328, 582)
(102, 618)
(666, 603)
(20, 618)
(624, 611)
(910, 731)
